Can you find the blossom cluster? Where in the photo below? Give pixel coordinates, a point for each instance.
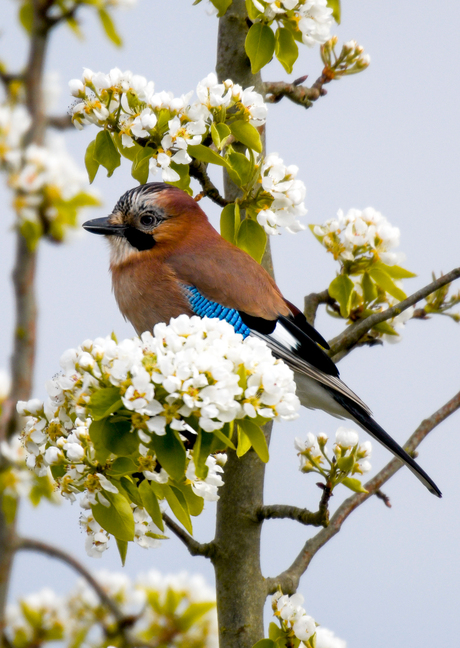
(350, 457)
(127, 104)
(113, 402)
(48, 187)
(158, 605)
(288, 193)
(312, 18)
(351, 59)
(359, 235)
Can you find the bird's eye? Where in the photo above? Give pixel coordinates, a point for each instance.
(147, 221)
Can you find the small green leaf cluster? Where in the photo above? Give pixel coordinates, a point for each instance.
(162, 610)
(65, 11)
(139, 424)
(440, 303)
(349, 458)
(369, 279)
(305, 21)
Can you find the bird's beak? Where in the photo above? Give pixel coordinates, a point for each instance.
(103, 226)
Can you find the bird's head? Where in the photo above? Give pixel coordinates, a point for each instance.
(140, 216)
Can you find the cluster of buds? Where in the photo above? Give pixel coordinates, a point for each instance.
(349, 458)
(121, 422)
(295, 623)
(351, 59)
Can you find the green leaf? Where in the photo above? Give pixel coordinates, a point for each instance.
(205, 154)
(193, 614)
(92, 166)
(384, 327)
(178, 506)
(129, 152)
(131, 491)
(385, 282)
(222, 437)
(253, 12)
(118, 518)
(97, 431)
(265, 643)
(9, 507)
(150, 503)
(335, 6)
(346, 463)
(260, 46)
(26, 16)
(252, 239)
(275, 632)
(184, 172)
(221, 6)
(104, 401)
(195, 504)
(122, 550)
(33, 616)
(106, 153)
(395, 271)
(341, 289)
(118, 437)
(201, 451)
(230, 222)
(170, 453)
(32, 232)
(354, 485)
(220, 134)
(247, 134)
(257, 438)
(244, 444)
(239, 168)
(109, 27)
(123, 466)
(369, 288)
(286, 49)
(140, 166)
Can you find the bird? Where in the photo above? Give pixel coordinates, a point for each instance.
(166, 260)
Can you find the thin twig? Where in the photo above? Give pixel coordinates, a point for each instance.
(194, 547)
(198, 170)
(30, 544)
(353, 333)
(288, 512)
(289, 579)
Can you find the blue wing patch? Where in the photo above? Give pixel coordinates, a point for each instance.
(207, 308)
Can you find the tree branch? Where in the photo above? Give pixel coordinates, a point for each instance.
(195, 548)
(353, 333)
(312, 302)
(60, 123)
(30, 544)
(297, 93)
(198, 170)
(288, 512)
(289, 579)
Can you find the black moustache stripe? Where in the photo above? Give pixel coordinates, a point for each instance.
(140, 240)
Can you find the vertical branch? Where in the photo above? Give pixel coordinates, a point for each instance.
(24, 338)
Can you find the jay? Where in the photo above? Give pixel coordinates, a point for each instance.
(167, 259)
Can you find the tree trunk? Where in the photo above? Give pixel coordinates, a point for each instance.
(241, 588)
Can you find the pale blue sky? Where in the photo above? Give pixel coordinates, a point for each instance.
(387, 138)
